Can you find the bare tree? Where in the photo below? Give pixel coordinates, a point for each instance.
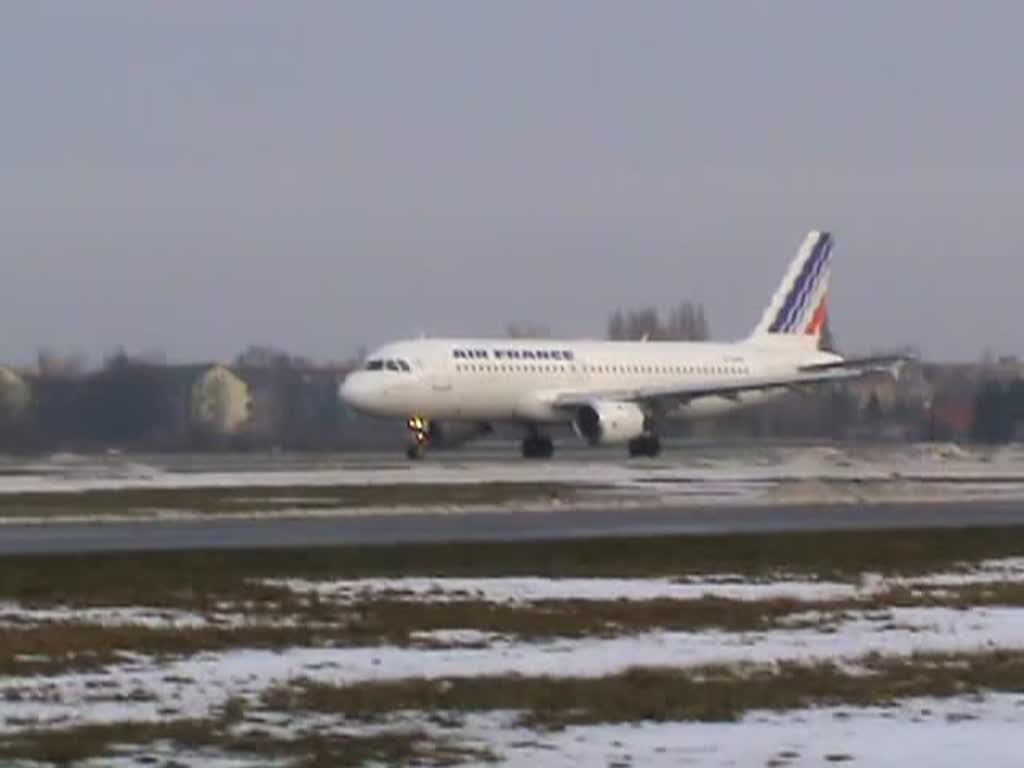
(617, 326)
(643, 324)
(264, 356)
(702, 330)
(827, 341)
(687, 322)
(527, 330)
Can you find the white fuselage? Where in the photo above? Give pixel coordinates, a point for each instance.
(502, 380)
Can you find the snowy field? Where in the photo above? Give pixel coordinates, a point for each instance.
(848, 624)
(948, 733)
(760, 474)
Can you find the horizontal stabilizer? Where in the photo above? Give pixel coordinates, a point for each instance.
(875, 362)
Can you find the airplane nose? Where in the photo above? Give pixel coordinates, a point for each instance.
(357, 391)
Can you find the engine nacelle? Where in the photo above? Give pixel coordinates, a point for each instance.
(605, 422)
(451, 434)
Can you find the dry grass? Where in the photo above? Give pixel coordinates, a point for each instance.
(80, 647)
(249, 499)
(196, 579)
(281, 619)
(73, 745)
(52, 647)
(712, 694)
(49, 648)
(208, 582)
(67, 746)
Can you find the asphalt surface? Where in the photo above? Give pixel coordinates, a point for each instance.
(71, 538)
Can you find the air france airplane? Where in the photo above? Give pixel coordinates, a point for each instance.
(610, 392)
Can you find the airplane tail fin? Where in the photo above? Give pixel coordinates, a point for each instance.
(798, 309)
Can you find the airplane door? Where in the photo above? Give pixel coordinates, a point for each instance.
(440, 380)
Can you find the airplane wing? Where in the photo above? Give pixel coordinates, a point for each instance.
(680, 394)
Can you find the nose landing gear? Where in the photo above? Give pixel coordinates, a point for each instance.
(419, 429)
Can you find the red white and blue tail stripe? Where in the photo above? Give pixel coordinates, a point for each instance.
(799, 306)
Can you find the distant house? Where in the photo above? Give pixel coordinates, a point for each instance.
(880, 386)
(913, 387)
(15, 395)
(1005, 369)
(951, 417)
(952, 380)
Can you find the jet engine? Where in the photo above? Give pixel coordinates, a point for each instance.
(605, 422)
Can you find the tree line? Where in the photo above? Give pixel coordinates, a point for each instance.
(998, 412)
(685, 322)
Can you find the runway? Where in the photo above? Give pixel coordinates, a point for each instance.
(501, 525)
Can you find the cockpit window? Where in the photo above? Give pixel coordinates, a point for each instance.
(387, 365)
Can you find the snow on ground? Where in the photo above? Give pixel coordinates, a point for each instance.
(523, 590)
(725, 473)
(939, 733)
(936, 733)
(16, 615)
(195, 686)
(946, 733)
(724, 586)
(536, 589)
(1003, 570)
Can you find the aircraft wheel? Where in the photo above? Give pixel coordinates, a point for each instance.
(538, 448)
(648, 446)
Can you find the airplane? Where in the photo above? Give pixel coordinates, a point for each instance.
(610, 392)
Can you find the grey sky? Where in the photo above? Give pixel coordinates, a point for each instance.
(199, 176)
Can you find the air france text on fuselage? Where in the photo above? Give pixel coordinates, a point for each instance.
(565, 355)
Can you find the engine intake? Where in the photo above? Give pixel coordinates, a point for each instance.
(607, 422)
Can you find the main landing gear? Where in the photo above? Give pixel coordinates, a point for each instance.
(536, 446)
(645, 445)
